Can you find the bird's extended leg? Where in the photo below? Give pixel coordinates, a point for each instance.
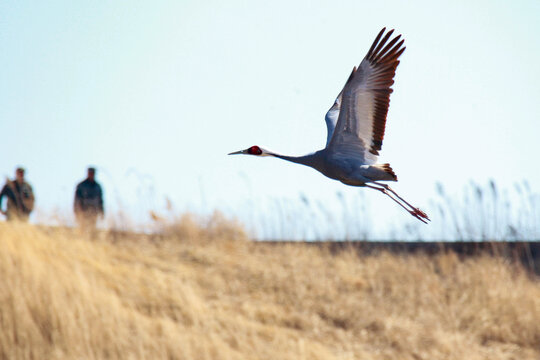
(417, 213)
(415, 209)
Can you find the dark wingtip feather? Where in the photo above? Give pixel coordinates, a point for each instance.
(376, 41)
(381, 44)
(383, 59)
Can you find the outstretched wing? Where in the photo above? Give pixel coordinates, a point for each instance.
(360, 126)
(331, 119)
(332, 115)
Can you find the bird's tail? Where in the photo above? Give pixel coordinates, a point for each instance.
(385, 172)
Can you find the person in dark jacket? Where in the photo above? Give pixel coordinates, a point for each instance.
(20, 197)
(88, 204)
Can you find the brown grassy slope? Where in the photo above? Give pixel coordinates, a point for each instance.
(196, 294)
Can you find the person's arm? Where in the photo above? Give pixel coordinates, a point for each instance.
(77, 200)
(2, 193)
(30, 200)
(101, 210)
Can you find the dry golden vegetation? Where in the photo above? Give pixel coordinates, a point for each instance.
(203, 291)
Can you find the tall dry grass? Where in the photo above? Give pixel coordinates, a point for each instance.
(488, 213)
(196, 292)
(473, 212)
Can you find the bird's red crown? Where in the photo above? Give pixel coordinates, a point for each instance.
(254, 150)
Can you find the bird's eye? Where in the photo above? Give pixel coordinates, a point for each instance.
(255, 150)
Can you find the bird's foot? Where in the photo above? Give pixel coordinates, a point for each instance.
(420, 215)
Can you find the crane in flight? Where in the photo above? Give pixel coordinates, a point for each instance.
(356, 123)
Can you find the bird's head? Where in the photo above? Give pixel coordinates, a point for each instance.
(253, 150)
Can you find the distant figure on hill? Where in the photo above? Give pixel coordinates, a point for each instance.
(88, 203)
(20, 197)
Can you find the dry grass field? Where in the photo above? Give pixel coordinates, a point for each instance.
(204, 291)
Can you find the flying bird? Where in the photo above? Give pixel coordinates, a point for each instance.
(356, 123)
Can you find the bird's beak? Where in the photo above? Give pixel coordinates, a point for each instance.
(239, 152)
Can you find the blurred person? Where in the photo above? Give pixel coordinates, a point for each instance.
(20, 197)
(88, 204)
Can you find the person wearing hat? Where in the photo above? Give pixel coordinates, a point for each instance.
(88, 203)
(20, 197)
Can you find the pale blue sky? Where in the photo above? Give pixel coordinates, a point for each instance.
(156, 93)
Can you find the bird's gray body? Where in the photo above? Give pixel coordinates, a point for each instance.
(350, 171)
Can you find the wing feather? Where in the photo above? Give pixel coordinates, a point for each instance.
(332, 115)
(365, 99)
